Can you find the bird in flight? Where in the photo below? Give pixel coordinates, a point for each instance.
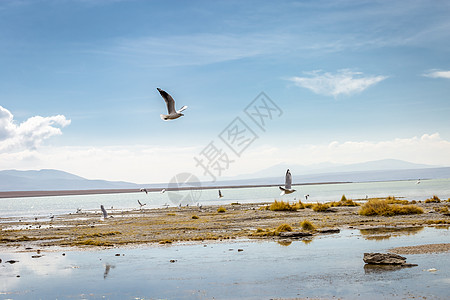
(287, 189)
(172, 113)
(141, 203)
(220, 194)
(144, 190)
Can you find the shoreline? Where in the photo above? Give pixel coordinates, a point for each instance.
(165, 226)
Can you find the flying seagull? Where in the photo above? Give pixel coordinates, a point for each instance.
(220, 194)
(105, 214)
(287, 189)
(163, 191)
(173, 114)
(141, 203)
(144, 190)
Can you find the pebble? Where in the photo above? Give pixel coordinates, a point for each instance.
(173, 260)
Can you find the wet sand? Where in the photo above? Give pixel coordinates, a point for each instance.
(171, 225)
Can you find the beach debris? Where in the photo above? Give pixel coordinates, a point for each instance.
(287, 189)
(144, 190)
(220, 194)
(78, 210)
(36, 256)
(386, 259)
(240, 250)
(105, 214)
(170, 103)
(173, 260)
(294, 234)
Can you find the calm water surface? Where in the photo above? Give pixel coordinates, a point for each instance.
(326, 267)
(45, 206)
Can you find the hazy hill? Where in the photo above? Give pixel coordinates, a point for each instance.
(381, 170)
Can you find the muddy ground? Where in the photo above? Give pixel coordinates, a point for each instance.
(170, 225)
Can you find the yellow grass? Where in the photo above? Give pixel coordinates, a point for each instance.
(378, 207)
(307, 225)
(320, 207)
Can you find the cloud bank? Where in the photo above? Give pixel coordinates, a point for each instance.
(29, 134)
(438, 74)
(344, 82)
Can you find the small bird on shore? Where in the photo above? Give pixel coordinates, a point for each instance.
(287, 189)
(220, 194)
(170, 103)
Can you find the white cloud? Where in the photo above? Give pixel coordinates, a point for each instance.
(29, 134)
(438, 74)
(156, 164)
(344, 82)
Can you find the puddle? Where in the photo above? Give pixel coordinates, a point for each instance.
(329, 266)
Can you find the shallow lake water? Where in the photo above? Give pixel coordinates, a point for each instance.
(328, 266)
(43, 207)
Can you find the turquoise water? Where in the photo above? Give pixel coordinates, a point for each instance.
(328, 267)
(45, 206)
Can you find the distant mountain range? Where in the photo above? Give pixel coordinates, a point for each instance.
(381, 170)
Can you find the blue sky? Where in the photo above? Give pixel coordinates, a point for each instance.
(355, 81)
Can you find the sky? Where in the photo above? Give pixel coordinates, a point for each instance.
(265, 82)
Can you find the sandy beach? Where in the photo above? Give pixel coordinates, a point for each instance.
(172, 225)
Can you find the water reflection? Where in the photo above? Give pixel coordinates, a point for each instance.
(385, 233)
(284, 242)
(376, 269)
(108, 267)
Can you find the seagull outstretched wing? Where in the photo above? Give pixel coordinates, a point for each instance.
(169, 101)
(288, 182)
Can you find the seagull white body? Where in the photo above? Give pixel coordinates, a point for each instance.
(163, 191)
(287, 189)
(170, 103)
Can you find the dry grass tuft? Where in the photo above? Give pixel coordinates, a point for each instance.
(307, 225)
(221, 209)
(282, 206)
(434, 199)
(376, 207)
(195, 217)
(320, 207)
(283, 228)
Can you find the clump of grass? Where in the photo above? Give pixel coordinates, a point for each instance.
(443, 210)
(343, 198)
(91, 242)
(283, 228)
(434, 199)
(307, 225)
(392, 200)
(376, 207)
(221, 209)
(163, 242)
(195, 217)
(301, 205)
(235, 203)
(344, 202)
(171, 214)
(282, 206)
(320, 207)
(308, 205)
